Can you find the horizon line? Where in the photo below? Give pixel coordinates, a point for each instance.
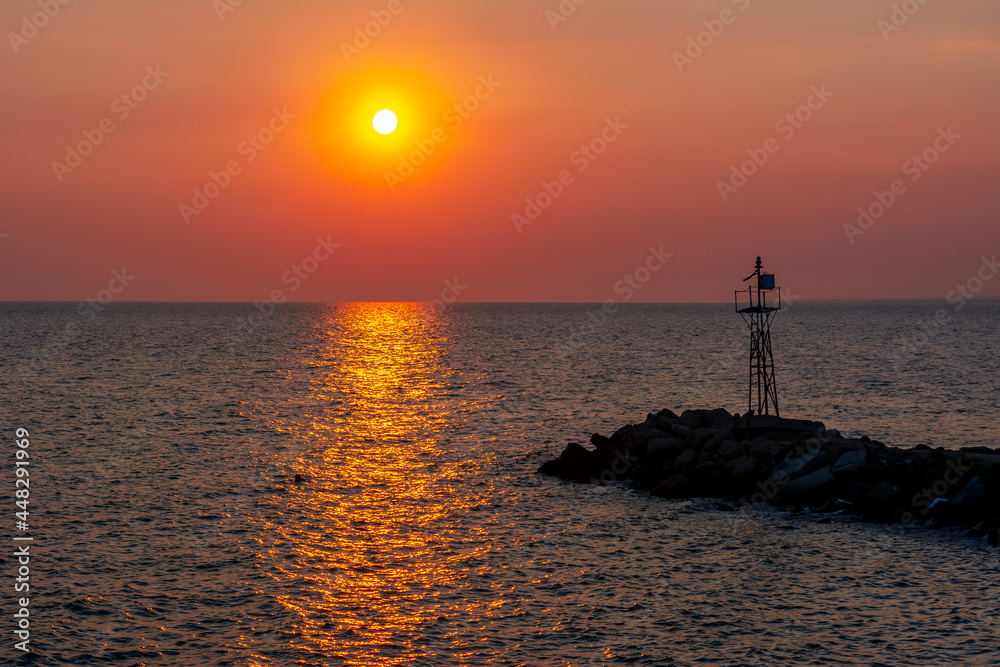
(539, 303)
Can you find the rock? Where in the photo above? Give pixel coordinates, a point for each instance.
(664, 448)
(800, 465)
(712, 446)
(702, 471)
(671, 488)
(731, 450)
(808, 483)
(976, 450)
(718, 417)
(696, 455)
(701, 439)
(645, 432)
(686, 459)
(599, 440)
(680, 430)
(979, 530)
(972, 492)
(855, 492)
(882, 492)
(638, 450)
(743, 467)
(619, 435)
(551, 468)
(576, 463)
(851, 461)
(691, 418)
(762, 449)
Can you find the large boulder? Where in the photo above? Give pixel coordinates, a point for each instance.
(972, 492)
(763, 449)
(742, 468)
(718, 417)
(800, 464)
(691, 418)
(851, 460)
(680, 430)
(686, 460)
(807, 484)
(600, 441)
(731, 450)
(645, 432)
(664, 448)
(883, 493)
(575, 463)
(619, 435)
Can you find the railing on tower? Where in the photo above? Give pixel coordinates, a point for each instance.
(757, 305)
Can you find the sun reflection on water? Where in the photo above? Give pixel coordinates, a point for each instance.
(368, 545)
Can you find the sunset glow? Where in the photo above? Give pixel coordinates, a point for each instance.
(384, 121)
(716, 131)
(535, 332)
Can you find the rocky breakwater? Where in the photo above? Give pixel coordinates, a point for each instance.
(796, 464)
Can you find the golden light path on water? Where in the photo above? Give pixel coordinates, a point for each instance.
(370, 539)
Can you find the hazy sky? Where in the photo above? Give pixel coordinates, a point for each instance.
(834, 100)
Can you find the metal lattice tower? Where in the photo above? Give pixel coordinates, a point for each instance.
(757, 305)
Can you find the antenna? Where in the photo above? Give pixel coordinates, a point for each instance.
(752, 305)
(756, 271)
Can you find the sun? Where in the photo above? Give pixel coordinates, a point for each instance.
(384, 121)
(373, 121)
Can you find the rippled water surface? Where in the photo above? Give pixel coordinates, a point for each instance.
(170, 528)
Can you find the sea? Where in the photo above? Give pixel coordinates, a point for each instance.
(354, 484)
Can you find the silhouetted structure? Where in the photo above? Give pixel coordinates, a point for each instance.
(758, 305)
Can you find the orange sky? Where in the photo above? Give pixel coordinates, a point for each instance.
(673, 128)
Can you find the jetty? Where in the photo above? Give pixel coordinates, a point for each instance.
(764, 459)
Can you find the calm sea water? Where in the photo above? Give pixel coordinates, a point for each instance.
(169, 529)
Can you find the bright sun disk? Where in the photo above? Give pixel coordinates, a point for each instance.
(384, 121)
